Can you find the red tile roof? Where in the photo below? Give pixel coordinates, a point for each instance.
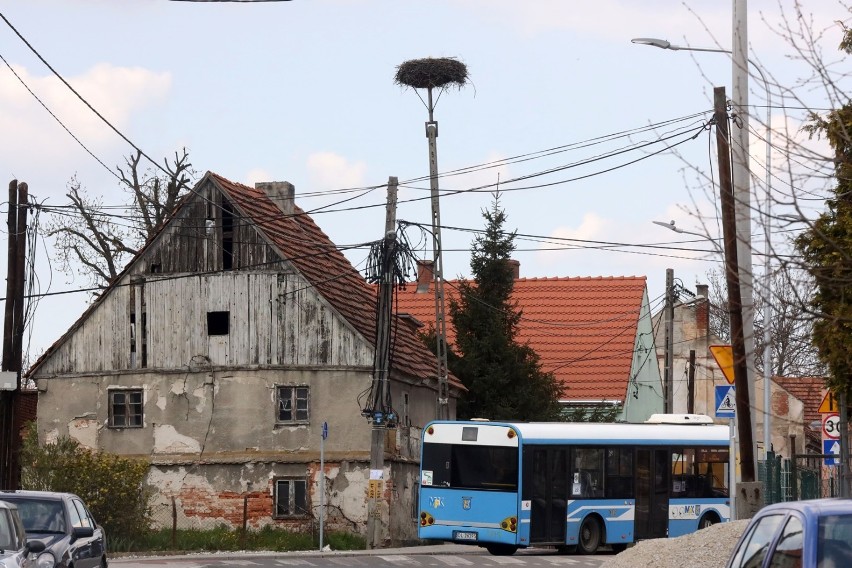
(317, 258)
(584, 329)
(810, 390)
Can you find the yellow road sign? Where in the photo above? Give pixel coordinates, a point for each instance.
(724, 356)
(829, 404)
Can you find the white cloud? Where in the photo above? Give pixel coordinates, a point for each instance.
(327, 170)
(116, 92)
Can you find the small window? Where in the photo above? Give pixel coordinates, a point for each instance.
(291, 497)
(292, 404)
(218, 323)
(125, 408)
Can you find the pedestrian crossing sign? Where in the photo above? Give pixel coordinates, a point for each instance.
(726, 401)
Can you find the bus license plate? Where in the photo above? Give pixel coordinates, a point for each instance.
(465, 535)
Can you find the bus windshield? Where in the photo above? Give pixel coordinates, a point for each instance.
(465, 466)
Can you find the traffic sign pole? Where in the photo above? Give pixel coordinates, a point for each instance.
(323, 436)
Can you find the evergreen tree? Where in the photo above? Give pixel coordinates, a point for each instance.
(504, 378)
(826, 249)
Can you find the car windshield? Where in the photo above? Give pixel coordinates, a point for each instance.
(41, 516)
(835, 541)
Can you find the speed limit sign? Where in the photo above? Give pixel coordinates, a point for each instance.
(831, 426)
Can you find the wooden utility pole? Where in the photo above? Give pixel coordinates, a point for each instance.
(382, 411)
(669, 374)
(13, 332)
(729, 234)
(690, 384)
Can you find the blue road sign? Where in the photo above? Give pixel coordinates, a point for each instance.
(831, 447)
(726, 401)
(325, 430)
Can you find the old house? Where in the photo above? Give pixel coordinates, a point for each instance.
(218, 354)
(594, 335)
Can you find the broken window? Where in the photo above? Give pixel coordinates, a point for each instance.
(125, 408)
(292, 404)
(218, 323)
(291, 497)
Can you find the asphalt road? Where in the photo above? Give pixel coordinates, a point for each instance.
(439, 556)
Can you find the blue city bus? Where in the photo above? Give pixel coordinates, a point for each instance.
(575, 486)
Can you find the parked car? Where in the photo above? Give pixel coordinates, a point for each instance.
(15, 551)
(798, 534)
(64, 525)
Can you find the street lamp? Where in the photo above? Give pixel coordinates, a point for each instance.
(767, 308)
(672, 227)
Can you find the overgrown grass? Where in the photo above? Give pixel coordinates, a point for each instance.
(225, 538)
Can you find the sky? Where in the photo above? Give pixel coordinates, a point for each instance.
(304, 91)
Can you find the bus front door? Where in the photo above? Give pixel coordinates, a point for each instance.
(546, 487)
(653, 473)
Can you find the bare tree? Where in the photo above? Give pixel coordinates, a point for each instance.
(792, 352)
(94, 241)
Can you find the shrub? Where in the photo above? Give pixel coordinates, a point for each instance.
(111, 486)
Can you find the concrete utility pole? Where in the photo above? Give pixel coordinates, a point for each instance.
(726, 195)
(443, 410)
(742, 191)
(381, 412)
(13, 332)
(669, 371)
(431, 73)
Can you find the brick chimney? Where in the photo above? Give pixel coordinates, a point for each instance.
(282, 193)
(424, 275)
(516, 268)
(702, 310)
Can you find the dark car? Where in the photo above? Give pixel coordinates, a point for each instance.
(64, 524)
(801, 534)
(15, 551)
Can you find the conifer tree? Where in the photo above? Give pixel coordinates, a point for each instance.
(504, 378)
(826, 249)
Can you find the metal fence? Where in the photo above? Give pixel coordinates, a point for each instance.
(802, 477)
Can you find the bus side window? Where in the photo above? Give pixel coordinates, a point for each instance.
(684, 481)
(588, 471)
(619, 473)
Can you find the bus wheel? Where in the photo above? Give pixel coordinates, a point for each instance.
(707, 520)
(590, 536)
(501, 549)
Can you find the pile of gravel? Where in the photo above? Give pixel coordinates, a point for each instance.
(707, 548)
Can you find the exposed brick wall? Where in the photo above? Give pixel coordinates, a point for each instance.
(26, 404)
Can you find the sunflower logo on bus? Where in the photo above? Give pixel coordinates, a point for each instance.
(466, 503)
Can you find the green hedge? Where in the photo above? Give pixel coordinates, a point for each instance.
(111, 486)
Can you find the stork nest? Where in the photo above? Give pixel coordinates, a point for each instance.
(431, 72)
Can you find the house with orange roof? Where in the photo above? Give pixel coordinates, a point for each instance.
(221, 354)
(593, 333)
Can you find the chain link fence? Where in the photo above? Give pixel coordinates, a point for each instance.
(801, 478)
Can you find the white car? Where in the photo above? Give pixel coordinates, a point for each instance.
(15, 551)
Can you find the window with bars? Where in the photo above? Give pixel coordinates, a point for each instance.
(292, 404)
(125, 408)
(291, 497)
